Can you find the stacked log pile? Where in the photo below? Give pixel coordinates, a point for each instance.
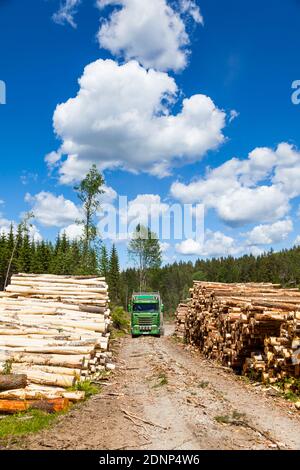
(253, 328)
(180, 317)
(55, 330)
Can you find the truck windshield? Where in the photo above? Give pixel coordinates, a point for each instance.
(151, 307)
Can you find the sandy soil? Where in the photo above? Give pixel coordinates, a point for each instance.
(163, 397)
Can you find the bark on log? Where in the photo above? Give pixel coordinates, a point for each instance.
(12, 381)
(17, 406)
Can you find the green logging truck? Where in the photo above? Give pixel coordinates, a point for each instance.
(146, 311)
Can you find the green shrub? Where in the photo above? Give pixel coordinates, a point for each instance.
(290, 387)
(121, 319)
(87, 387)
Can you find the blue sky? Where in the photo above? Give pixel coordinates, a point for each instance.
(141, 61)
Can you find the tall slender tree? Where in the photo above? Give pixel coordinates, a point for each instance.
(144, 250)
(89, 191)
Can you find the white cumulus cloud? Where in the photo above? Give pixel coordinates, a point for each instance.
(51, 210)
(143, 208)
(152, 32)
(297, 241)
(269, 234)
(257, 189)
(164, 246)
(73, 231)
(215, 244)
(5, 225)
(34, 233)
(121, 118)
(109, 195)
(190, 7)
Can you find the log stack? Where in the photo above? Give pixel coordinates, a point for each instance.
(55, 330)
(253, 328)
(180, 317)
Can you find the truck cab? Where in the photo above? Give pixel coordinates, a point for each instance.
(146, 311)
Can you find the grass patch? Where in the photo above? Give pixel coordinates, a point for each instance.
(177, 339)
(88, 387)
(162, 380)
(245, 379)
(290, 388)
(254, 376)
(25, 423)
(115, 334)
(234, 418)
(203, 384)
(291, 396)
(223, 419)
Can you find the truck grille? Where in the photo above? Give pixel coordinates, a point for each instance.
(145, 321)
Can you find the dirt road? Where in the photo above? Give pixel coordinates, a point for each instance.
(162, 397)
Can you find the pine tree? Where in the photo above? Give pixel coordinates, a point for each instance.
(114, 277)
(104, 262)
(25, 254)
(36, 261)
(75, 257)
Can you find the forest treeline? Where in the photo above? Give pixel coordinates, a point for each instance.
(173, 280)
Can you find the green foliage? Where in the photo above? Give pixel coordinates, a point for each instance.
(291, 396)
(254, 375)
(174, 280)
(199, 276)
(113, 276)
(62, 257)
(235, 418)
(89, 191)
(162, 380)
(25, 423)
(18, 245)
(203, 384)
(291, 388)
(144, 250)
(120, 318)
(87, 387)
(104, 262)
